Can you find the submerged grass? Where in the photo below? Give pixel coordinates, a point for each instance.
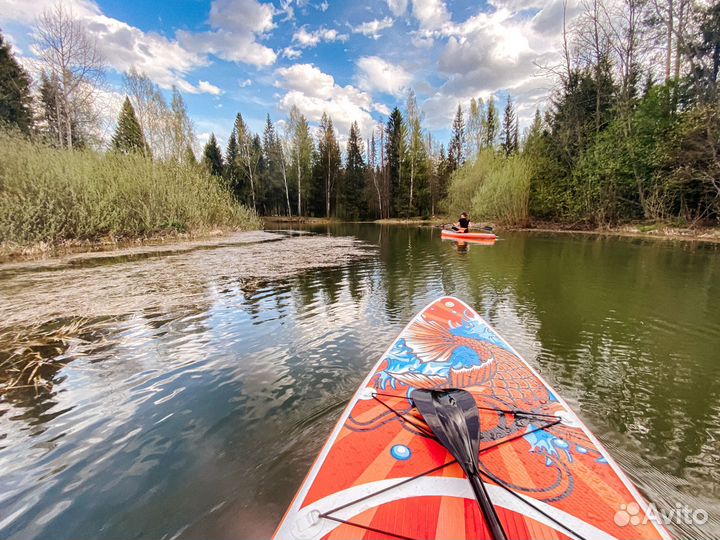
(50, 196)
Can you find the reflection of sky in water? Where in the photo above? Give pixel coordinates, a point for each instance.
(199, 408)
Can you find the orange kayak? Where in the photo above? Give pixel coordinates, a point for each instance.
(445, 233)
(382, 473)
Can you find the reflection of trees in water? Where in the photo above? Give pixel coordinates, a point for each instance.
(627, 324)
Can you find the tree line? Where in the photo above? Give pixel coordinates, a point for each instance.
(631, 131)
(397, 171)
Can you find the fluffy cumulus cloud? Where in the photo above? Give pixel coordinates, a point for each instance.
(431, 14)
(305, 38)
(373, 29)
(376, 74)
(314, 92)
(236, 25)
(498, 51)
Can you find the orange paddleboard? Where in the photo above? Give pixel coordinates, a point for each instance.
(382, 474)
(469, 236)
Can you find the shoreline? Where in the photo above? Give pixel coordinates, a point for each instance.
(651, 231)
(10, 253)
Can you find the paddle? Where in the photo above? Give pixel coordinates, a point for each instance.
(453, 417)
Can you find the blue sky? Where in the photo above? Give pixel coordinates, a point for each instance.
(354, 60)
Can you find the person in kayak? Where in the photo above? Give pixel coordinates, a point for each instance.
(463, 224)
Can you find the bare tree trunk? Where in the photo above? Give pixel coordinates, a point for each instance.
(299, 174)
(287, 191)
(678, 44)
(566, 48)
(669, 52)
(412, 178)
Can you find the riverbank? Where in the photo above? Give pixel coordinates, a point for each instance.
(646, 230)
(53, 199)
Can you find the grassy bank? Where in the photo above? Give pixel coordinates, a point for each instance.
(49, 197)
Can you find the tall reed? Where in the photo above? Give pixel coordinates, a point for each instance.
(50, 196)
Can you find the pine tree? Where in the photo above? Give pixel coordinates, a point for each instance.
(352, 189)
(509, 135)
(395, 154)
(490, 125)
(232, 173)
(15, 98)
(212, 156)
(328, 166)
(456, 148)
(272, 155)
(128, 136)
(51, 113)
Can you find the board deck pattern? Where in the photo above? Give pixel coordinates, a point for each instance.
(547, 475)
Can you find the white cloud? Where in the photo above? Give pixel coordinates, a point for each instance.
(204, 87)
(311, 39)
(167, 61)
(378, 74)
(242, 16)
(372, 28)
(291, 53)
(431, 14)
(397, 7)
(230, 46)
(315, 93)
(245, 83)
(323, 6)
(236, 26)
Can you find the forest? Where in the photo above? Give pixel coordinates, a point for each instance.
(630, 132)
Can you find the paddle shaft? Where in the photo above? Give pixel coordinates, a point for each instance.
(487, 508)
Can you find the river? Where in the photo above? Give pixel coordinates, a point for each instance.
(187, 391)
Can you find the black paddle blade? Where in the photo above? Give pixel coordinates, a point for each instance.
(453, 417)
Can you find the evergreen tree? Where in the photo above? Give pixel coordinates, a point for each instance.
(232, 171)
(328, 167)
(352, 190)
(272, 155)
(50, 117)
(128, 136)
(490, 125)
(394, 156)
(456, 148)
(212, 156)
(15, 98)
(509, 135)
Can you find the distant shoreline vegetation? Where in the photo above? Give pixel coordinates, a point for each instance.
(630, 133)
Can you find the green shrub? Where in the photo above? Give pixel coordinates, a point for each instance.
(492, 188)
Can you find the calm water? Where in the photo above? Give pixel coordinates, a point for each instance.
(198, 416)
